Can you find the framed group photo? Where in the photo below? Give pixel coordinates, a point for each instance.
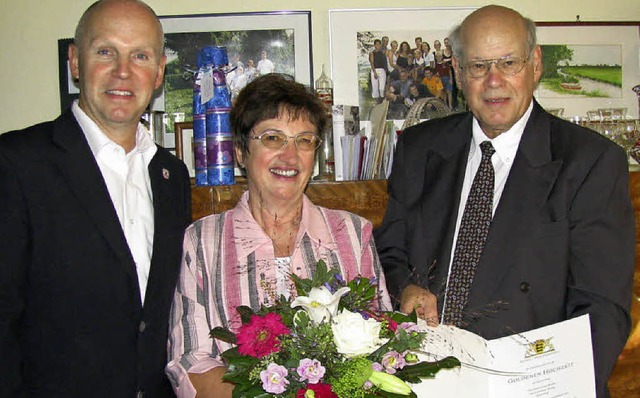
(281, 37)
(351, 38)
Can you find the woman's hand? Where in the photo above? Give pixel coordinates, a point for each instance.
(210, 385)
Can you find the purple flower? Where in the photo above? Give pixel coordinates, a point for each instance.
(310, 370)
(338, 278)
(274, 379)
(377, 367)
(393, 360)
(409, 327)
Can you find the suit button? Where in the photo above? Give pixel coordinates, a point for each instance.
(142, 327)
(524, 287)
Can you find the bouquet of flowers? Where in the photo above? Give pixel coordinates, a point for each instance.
(329, 341)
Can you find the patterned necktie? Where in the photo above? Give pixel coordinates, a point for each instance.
(472, 236)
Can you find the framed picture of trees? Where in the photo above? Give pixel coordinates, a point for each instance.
(278, 41)
(589, 65)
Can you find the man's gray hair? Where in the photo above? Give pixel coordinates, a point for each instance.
(457, 45)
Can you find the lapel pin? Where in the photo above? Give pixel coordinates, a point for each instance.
(165, 174)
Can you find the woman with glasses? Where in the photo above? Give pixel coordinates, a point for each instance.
(244, 256)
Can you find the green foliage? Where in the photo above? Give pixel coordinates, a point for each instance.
(555, 85)
(311, 341)
(415, 373)
(180, 101)
(321, 276)
(551, 57)
(239, 369)
(362, 293)
(353, 374)
(223, 334)
(245, 313)
(601, 73)
(569, 79)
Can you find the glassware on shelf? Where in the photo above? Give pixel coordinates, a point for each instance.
(633, 148)
(326, 162)
(606, 114)
(593, 116)
(619, 113)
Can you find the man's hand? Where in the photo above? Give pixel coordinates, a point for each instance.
(422, 300)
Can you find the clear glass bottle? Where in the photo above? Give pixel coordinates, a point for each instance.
(326, 163)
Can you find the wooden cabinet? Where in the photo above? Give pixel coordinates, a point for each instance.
(369, 199)
(624, 381)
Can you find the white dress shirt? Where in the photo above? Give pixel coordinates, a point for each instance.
(506, 146)
(127, 178)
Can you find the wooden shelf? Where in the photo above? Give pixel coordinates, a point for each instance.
(365, 198)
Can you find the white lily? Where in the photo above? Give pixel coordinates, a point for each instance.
(321, 305)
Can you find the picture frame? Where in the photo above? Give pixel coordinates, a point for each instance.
(277, 32)
(345, 56)
(67, 85)
(597, 44)
(184, 145)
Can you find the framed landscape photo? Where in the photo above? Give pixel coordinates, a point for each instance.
(282, 37)
(184, 145)
(589, 66)
(351, 37)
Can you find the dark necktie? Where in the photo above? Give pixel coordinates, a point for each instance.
(472, 235)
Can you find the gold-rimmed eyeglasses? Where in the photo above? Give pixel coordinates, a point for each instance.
(507, 65)
(275, 139)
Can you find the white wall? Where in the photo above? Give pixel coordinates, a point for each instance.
(29, 30)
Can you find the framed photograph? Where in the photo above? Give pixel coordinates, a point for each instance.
(69, 90)
(589, 66)
(351, 38)
(184, 145)
(256, 42)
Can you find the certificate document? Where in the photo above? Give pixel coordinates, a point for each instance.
(553, 361)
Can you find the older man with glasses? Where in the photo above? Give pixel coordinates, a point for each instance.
(506, 218)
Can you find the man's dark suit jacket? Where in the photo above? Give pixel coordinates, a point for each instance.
(71, 319)
(561, 243)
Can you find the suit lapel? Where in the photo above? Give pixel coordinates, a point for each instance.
(526, 192)
(161, 175)
(443, 175)
(78, 166)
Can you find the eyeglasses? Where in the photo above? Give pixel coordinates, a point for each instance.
(274, 139)
(507, 65)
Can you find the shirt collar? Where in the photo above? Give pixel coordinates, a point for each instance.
(312, 224)
(505, 144)
(98, 140)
